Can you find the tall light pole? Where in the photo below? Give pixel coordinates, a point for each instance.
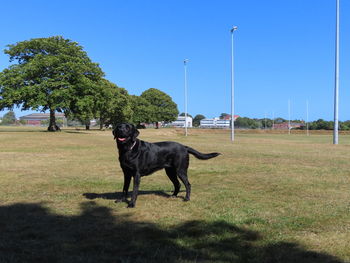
(336, 88)
(185, 68)
(289, 127)
(307, 118)
(232, 87)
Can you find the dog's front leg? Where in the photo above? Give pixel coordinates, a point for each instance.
(137, 179)
(127, 179)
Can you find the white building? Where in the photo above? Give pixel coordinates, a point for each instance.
(180, 122)
(207, 123)
(223, 124)
(216, 123)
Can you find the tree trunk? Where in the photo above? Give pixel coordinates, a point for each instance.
(101, 125)
(53, 126)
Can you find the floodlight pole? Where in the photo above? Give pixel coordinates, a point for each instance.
(232, 87)
(307, 118)
(289, 127)
(185, 68)
(336, 88)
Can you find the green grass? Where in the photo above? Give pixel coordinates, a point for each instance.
(268, 198)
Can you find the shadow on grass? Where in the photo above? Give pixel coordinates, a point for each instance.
(10, 130)
(74, 132)
(83, 130)
(118, 195)
(31, 233)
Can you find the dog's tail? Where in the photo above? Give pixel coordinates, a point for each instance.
(201, 156)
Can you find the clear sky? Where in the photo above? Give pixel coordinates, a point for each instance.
(284, 49)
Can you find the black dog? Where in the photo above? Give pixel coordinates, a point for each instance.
(139, 158)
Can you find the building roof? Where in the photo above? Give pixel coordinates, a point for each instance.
(228, 117)
(182, 118)
(40, 116)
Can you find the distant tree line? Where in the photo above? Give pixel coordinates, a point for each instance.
(328, 125)
(255, 123)
(267, 123)
(55, 75)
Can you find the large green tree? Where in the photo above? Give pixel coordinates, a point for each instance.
(51, 74)
(197, 120)
(83, 104)
(104, 101)
(142, 110)
(9, 118)
(224, 115)
(112, 104)
(162, 105)
(183, 114)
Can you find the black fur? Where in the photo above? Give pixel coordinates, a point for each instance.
(139, 158)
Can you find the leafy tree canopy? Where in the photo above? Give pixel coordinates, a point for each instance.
(113, 104)
(183, 114)
(197, 119)
(9, 118)
(223, 115)
(162, 106)
(50, 74)
(142, 109)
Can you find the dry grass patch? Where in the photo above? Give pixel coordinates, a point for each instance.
(268, 198)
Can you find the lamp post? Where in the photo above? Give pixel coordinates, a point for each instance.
(232, 87)
(307, 118)
(336, 88)
(289, 127)
(185, 68)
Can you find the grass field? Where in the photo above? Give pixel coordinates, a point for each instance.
(268, 198)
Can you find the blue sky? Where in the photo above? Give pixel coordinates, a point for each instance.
(284, 49)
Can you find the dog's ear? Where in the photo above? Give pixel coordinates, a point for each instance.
(114, 132)
(135, 133)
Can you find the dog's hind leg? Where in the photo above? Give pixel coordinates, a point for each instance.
(171, 173)
(182, 174)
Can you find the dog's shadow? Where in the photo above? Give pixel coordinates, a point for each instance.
(117, 196)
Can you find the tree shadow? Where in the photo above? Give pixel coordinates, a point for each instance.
(75, 132)
(32, 233)
(14, 130)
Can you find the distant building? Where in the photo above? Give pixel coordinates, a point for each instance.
(217, 123)
(36, 119)
(228, 117)
(285, 125)
(180, 122)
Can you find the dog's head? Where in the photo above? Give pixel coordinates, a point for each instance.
(125, 132)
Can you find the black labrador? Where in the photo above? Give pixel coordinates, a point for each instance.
(139, 158)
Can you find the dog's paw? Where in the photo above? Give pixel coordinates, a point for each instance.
(131, 205)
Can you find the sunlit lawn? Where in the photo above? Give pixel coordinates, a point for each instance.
(268, 198)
